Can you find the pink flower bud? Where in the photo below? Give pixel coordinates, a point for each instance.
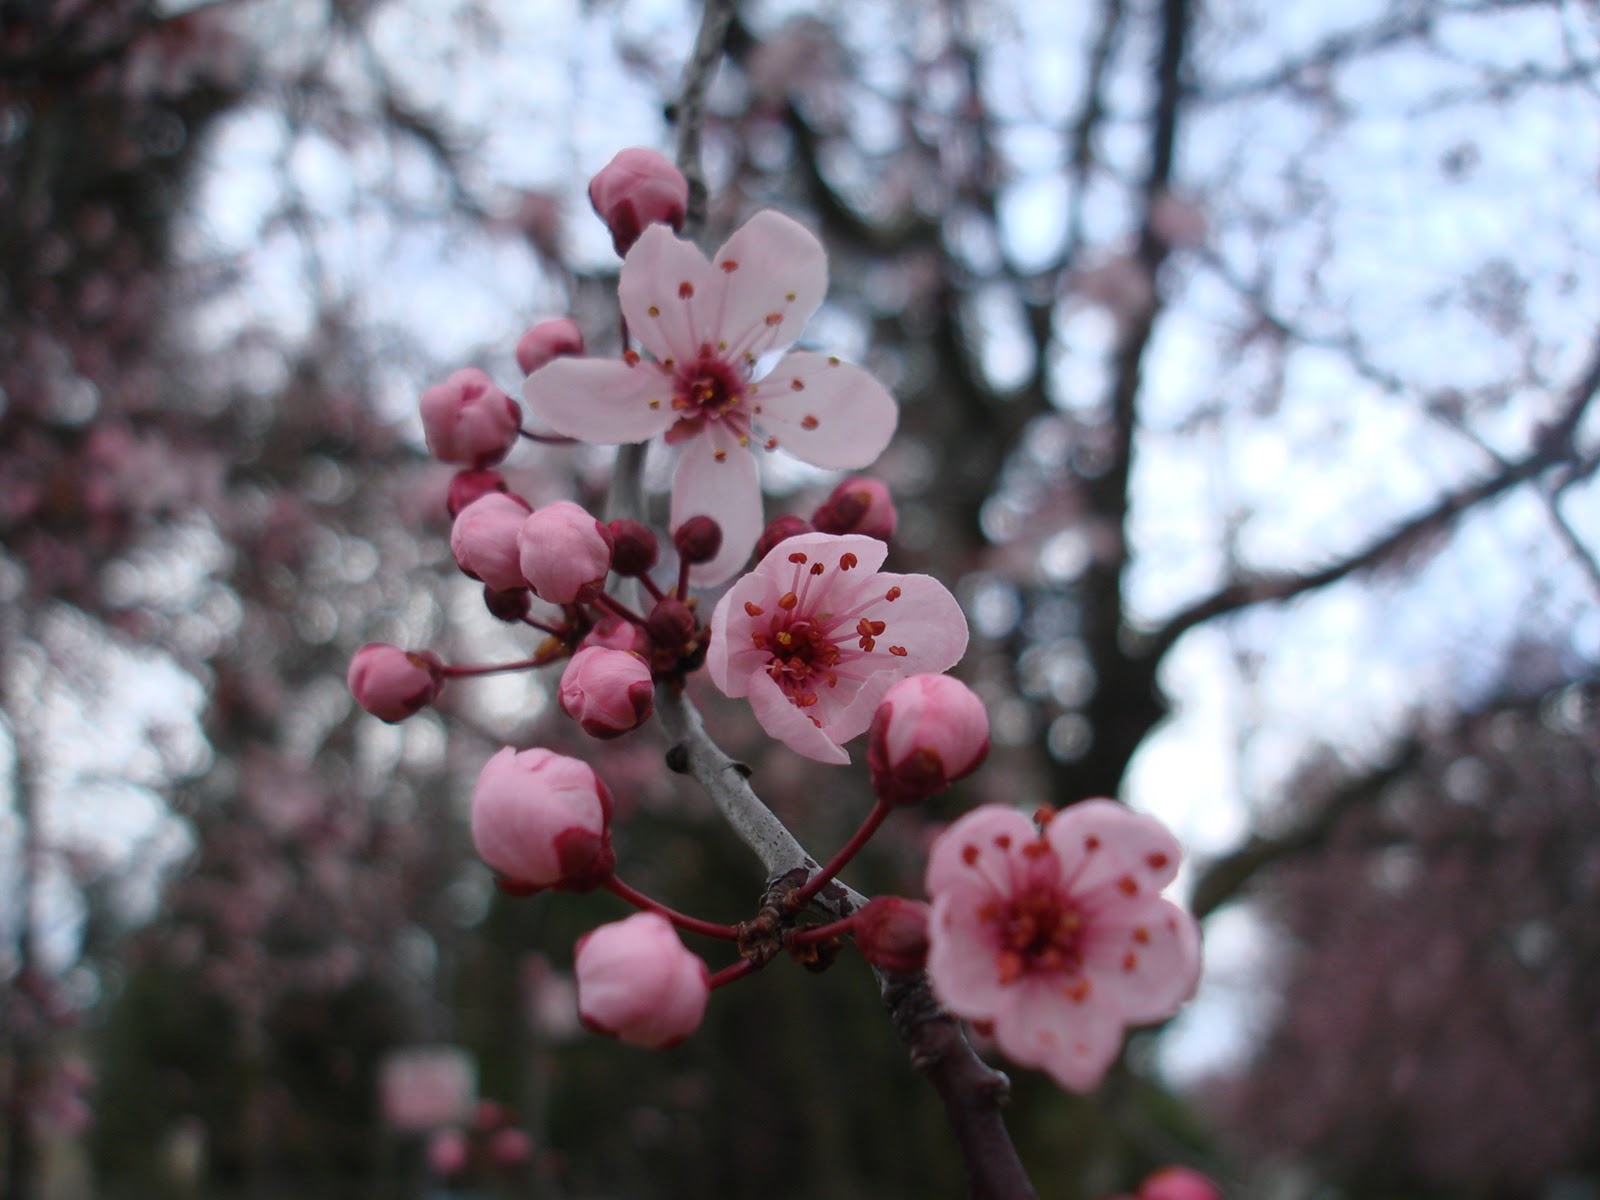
(484, 540)
(510, 1148)
(638, 188)
(1178, 1183)
(467, 486)
(892, 933)
(565, 552)
(613, 633)
(391, 683)
(698, 539)
(928, 732)
(543, 820)
(447, 1152)
(634, 548)
(639, 983)
(468, 420)
(607, 692)
(781, 528)
(858, 505)
(548, 340)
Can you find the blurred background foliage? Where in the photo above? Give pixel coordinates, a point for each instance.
(1246, 354)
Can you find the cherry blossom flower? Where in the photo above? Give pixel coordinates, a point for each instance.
(710, 325)
(816, 635)
(1058, 938)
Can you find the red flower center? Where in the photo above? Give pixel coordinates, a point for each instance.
(803, 656)
(708, 389)
(1040, 933)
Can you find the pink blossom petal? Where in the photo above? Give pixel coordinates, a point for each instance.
(790, 724)
(1075, 1041)
(725, 489)
(981, 846)
(778, 278)
(828, 549)
(601, 399)
(1144, 961)
(1103, 844)
(670, 295)
(849, 718)
(732, 657)
(963, 964)
(825, 412)
(924, 620)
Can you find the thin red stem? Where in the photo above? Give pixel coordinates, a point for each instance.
(618, 609)
(651, 586)
(820, 933)
(459, 672)
(728, 974)
(837, 863)
(691, 924)
(553, 630)
(549, 439)
(683, 579)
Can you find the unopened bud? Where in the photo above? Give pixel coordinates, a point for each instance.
(391, 683)
(613, 633)
(1178, 1183)
(484, 540)
(639, 983)
(633, 548)
(509, 607)
(543, 820)
(473, 484)
(892, 933)
(671, 624)
(607, 692)
(928, 732)
(548, 340)
(637, 188)
(698, 539)
(781, 528)
(466, 419)
(510, 1148)
(564, 552)
(858, 505)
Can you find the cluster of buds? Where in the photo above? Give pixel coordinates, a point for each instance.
(1050, 934)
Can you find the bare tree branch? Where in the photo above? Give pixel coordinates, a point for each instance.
(1553, 447)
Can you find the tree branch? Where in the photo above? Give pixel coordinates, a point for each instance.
(1553, 447)
(687, 113)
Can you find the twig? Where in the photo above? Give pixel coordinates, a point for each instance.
(688, 112)
(723, 780)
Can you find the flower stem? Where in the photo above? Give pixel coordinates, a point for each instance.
(820, 933)
(728, 974)
(461, 672)
(617, 608)
(691, 924)
(549, 439)
(837, 863)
